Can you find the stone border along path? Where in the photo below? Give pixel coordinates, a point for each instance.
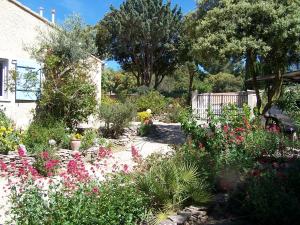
(160, 142)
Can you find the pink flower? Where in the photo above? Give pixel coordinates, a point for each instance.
(3, 166)
(125, 168)
(102, 152)
(21, 152)
(95, 190)
(134, 152)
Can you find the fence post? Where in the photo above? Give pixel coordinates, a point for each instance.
(194, 101)
(251, 100)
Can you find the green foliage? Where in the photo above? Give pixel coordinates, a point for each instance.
(89, 138)
(68, 92)
(289, 102)
(270, 196)
(37, 136)
(152, 100)
(116, 118)
(171, 184)
(264, 33)
(223, 82)
(143, 36)
(145, 129)
(229, 143)
(117, 82)
(175, 110)
(117, 201)
(4, 120)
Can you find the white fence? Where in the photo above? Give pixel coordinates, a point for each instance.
(216, 102)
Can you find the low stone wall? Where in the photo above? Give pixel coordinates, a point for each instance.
(16, 159)
(189, 216)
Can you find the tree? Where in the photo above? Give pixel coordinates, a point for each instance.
(143, 36)
(221, 82)
(117, 81)
(68, 92)
(265, 34)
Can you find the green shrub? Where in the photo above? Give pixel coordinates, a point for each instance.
(270, 196)
(117, 201)
(145, 129)
(37, 136)
(152, 100)
(172, 184)
(9, 137)
(116, 118)
(89, 138)
(4, 120)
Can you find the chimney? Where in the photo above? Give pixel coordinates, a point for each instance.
(41, 12)
(53, 15)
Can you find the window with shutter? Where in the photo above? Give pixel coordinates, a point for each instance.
(28, 81)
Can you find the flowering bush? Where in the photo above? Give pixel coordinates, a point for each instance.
(74, 196)
(9, 139)
(143, 116)
(76, 136)
(46, 163)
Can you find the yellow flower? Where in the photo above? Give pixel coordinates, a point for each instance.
(2, 128)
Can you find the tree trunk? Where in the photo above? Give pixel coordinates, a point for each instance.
(274, 91)
(192, 72)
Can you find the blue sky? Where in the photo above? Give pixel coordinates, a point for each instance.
(90, 10)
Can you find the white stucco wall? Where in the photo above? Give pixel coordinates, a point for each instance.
(20, 28)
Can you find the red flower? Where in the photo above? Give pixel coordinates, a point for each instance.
(239, 129)
(225, 128)
(256, 173)
(201, 146)
(45, 155)
(3, 166)
(239, 139)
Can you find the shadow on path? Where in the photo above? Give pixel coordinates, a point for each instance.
(167, 133)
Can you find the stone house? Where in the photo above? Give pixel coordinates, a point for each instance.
(20, 27)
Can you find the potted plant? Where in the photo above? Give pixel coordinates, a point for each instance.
(76, 141)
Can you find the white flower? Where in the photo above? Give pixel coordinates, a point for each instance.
(52, 142)
(149, 111)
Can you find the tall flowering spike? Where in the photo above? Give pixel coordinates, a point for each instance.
(134, 152)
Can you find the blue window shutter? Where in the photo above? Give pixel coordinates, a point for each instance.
(28, 83)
